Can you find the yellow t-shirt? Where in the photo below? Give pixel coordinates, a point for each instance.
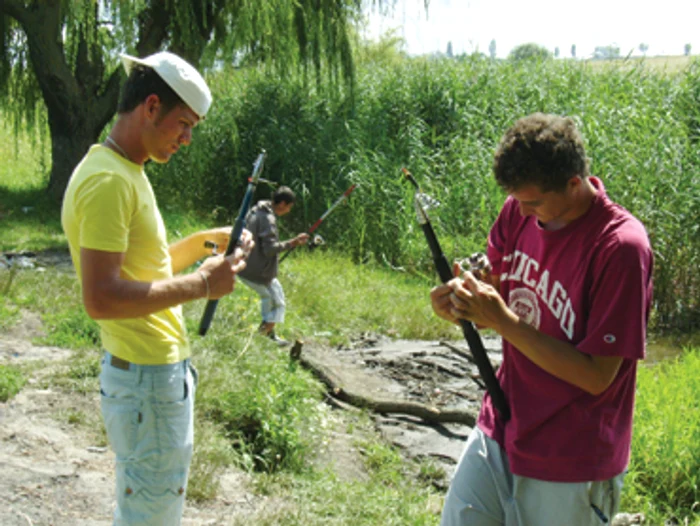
(109, 205)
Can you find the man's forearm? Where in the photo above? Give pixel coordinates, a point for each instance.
(272, 248)
(561, 359)
(120, 299)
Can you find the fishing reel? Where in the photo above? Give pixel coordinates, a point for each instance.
(478, 264)
(315, 242)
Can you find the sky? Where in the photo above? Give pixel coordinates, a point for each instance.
(665, 27)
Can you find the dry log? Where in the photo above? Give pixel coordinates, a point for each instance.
(338, 390)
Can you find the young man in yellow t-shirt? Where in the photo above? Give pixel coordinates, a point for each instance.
(130, 285)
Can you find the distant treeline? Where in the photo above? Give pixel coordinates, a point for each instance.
(442, 120)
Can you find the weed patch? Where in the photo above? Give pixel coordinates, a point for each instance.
(11, 381)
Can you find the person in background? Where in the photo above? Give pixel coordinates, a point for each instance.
(570, 294)
(130, 285)
(260, 273)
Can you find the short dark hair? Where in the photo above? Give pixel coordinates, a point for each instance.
(283, 194)
(540, 149)
(142, 82)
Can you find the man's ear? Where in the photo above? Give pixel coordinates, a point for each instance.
(152, 106)
(574, 182)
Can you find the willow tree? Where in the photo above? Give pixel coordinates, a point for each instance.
(64, 53)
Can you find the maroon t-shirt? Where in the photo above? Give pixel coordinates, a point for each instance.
(588, 284)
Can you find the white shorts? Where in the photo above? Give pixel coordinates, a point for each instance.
(272, 302)
(484, 492)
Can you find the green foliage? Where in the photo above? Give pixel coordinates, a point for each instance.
(327, 296)
(212, 453)
(529, 51)
(664, 473)
(56, 296)
(388, 51)
(11, 381)
(71, 328)
(28, 219)
(390, 496)
(61, 58)
(84, 365)
(273, 31)
(9, 312)
(266, 407)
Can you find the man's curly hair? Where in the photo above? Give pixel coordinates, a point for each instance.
(542, 150)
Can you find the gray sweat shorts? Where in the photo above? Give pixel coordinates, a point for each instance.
(484, 492)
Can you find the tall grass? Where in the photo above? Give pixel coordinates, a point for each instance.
(442, 120)
(664, 477)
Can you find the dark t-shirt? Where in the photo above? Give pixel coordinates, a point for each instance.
(589, 284)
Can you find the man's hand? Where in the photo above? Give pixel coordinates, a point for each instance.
(246, 243)
(301, 239)
(440, 297)
(478, 302)
(220, 272)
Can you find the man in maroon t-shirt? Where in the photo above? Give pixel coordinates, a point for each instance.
(570, 293)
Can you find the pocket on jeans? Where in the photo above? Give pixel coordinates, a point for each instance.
(122, 418)
(195, 376)
(174, 425)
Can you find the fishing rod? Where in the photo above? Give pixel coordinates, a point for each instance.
(324, 216)
(235, 238)
(422, 202)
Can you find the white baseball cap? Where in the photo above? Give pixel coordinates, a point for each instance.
(184, 79)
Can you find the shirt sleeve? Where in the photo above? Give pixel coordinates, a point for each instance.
(497, 239)
(620, 299)
(269, 237)
(105, 204)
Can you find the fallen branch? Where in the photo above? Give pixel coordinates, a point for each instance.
(463, 354)
(337, 389)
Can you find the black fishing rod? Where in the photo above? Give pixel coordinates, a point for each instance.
(444, 271)
(323, 217)
(235, 238)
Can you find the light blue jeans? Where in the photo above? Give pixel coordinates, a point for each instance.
(484, 492)
(272, 302)
(148, 414)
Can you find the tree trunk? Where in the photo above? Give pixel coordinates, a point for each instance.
(67, 148)
(80, 99)
(74, 125)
